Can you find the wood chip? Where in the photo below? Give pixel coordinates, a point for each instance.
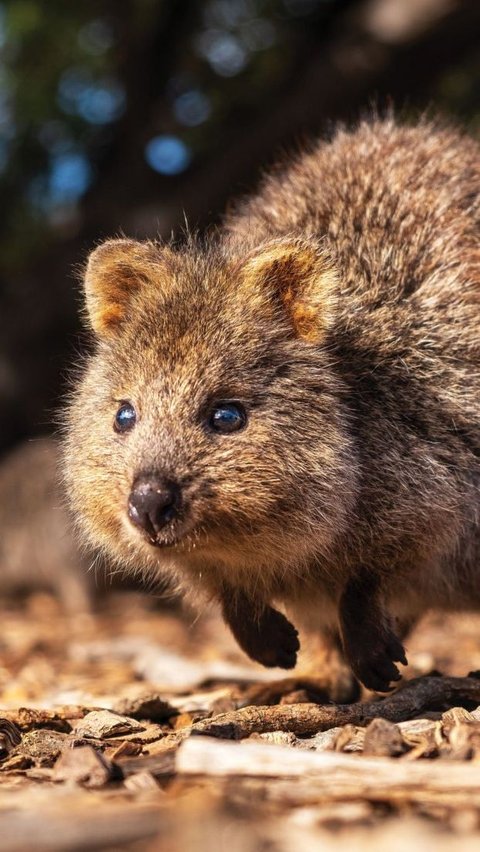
(101, 724)
(142, 782)
(457, 716)
(383, 739)
(350, 738)
(276, 738)
(160, 765)
(84, 766)
(186, 720)
(27, 718)
(16, 762)
(462, 739)
(126, 748)
(10, 737)
(150, 734)
(42, 746)
(323, 741)
(415, 727)
(421, 736)
(151, 707)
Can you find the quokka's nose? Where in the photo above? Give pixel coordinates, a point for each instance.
(153, 503)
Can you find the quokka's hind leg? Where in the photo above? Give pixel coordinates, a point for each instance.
(345, 687)
(328, 660)
(323, 676)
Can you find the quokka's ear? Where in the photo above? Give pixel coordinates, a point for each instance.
(116, 271)
(302, 278)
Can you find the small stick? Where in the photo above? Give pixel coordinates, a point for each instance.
(417, 696)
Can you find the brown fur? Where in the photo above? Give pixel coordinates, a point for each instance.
(341, 305)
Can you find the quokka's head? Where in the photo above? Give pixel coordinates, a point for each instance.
(207, 427)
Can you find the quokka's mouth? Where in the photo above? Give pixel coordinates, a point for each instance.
(163, 544)
(161, 540)
(169, 539)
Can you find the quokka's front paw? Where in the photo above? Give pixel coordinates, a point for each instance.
(276, 643)
(268, 637)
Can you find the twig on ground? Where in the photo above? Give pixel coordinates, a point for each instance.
(418, 696)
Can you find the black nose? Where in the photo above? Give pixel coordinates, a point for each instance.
(153, 503)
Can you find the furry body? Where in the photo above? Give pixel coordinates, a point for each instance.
(341, 306)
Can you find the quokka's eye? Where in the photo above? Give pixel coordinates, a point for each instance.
(125, 417)
(227, 417)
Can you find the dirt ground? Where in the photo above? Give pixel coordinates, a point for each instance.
(142, 728)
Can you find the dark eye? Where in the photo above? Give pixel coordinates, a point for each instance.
(125, 417)
(228, 417)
